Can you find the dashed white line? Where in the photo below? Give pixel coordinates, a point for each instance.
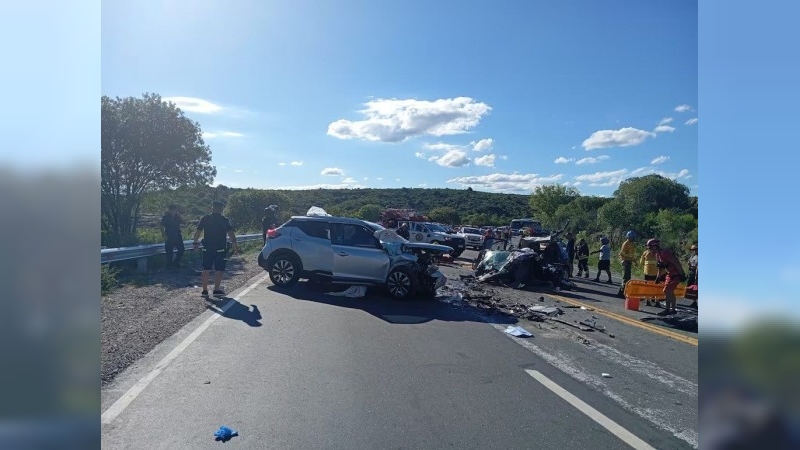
(130, 395)
(613, 427)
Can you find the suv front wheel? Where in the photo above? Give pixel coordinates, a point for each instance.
(401, 283)
(284, 270)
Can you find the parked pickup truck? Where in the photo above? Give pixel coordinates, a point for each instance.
(432, 233)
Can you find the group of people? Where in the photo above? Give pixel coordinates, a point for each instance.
(658, 264)
(215, 229)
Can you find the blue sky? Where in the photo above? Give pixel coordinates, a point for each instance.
(499, 96)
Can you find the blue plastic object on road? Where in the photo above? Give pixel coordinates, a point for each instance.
(224, 433)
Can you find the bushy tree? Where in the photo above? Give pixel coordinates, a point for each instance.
(546, 200)
(146, 144)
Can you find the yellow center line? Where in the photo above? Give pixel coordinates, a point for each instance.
(629, 321)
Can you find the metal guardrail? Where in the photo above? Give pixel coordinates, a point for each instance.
(108, 255)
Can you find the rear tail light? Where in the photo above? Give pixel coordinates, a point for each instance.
(273, 233)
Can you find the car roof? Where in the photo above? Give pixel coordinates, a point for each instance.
(330, 218)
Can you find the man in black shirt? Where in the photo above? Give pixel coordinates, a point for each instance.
(570, 253)
(268, 221)
(171, 232)
(214, 227)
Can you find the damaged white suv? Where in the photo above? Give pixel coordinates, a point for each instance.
(350, 251)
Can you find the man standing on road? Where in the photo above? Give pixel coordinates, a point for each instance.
(268, 221)
(604, 263)
(627, 254)
(171, 232)
(674, 275)
(570, 254)
(214, 227)
(583, 258)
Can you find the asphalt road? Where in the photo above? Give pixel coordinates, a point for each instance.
(302, 369)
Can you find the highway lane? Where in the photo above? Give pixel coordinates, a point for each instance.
(310, 370)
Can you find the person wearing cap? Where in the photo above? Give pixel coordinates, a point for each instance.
(268, 221)
(604, 263)
(674, 275)
(214, 228)
(570, 254)
(627, 254)
(650, 269)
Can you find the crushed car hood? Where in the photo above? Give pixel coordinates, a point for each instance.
(434, 247)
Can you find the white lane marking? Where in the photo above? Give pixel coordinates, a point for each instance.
(565, 363)
(613, 427)
(130, 395)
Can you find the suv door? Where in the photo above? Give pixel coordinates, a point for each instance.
(357, 254)
(418, 232)
(311, 241)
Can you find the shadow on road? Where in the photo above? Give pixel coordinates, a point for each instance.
(237, 311)
(405, 312)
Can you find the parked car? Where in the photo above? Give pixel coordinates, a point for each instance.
(472, 236)
(350, 251)
(432, 233)
(517, 225)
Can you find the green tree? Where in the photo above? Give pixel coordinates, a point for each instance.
(546, 200)
(640, 196)
(445, 214)
(370, 212)
(146, 144)
(246, 208)
(582, 213)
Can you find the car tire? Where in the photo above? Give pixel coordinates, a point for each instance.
(401, 283)
(284, 270)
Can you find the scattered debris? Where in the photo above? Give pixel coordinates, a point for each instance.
(584, 328)
(517, 331)
(549, 310)
(605, 375)
(224, 434)
(206, 382)
(352, 292)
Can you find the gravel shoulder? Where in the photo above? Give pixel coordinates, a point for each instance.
(147, 308)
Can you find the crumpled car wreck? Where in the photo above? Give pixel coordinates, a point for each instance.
(417, 260)
(520, 268)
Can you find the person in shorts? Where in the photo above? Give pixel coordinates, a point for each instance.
(215, 228)
(604, 263)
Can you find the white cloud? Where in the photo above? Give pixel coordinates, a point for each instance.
(562, 160)
(663, 129)
(396, 120)
(502, 182)
(193, 104)
(612, 178)
(665, 121)
(503, 157)
(592, 160)
(297, 163)
(421, 155)
(397, 179)
(683, 108)
(442, 147)
(238, 171)
(379, 178)
(281, 163)
(691, 121)
(422, 185)
(485, 160)
(482, 145)
(453, 158)
(659, 160)
(624, 137)
(349, 180)
(332, 171)
(366, 178)
(221, 134)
